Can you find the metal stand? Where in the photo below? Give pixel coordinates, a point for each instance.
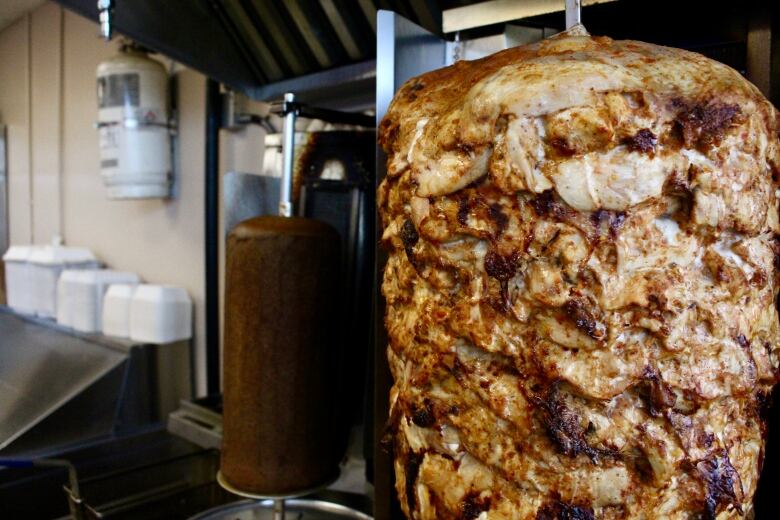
(278, 500)
(279, 509)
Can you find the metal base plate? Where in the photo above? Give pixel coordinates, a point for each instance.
(298, 508)
(227, 486)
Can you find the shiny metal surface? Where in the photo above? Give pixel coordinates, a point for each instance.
(227, 486)
(288, 152)
(248, 195)
(106, 18)
(346, 87)
(298, 508)
(279, 509)
(41, 369)
(573, 13)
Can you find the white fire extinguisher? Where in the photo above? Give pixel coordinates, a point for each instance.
(133, 123)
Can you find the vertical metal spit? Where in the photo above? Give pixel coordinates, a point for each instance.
(279, 509)
(288, 154)
(573, 13)
(286, 204)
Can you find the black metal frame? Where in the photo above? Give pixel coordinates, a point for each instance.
(213, 125)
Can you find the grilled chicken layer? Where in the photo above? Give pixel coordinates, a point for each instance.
(581, 284)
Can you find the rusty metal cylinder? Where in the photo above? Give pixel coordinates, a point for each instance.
(283, 427)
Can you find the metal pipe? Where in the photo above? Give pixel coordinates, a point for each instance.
(213, 124)
(573, 13)
(106, 17)
(288, 151)
(279, 509)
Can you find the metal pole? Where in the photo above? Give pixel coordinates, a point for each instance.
(213, 124)
(279, 509)
(288, 151)
(573, 16)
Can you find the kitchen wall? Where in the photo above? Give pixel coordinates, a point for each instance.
(47, 99)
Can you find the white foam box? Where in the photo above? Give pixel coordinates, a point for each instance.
(46, 265)
(88, 293)
(68, 279)
(160, 314)
(18, 280)
(116, 310)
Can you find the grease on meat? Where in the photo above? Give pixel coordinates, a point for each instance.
(581, 284)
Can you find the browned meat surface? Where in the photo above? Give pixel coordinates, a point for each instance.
(581, 284)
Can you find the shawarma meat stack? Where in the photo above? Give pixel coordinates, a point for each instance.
(581, 284)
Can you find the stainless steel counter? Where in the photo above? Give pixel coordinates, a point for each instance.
(59, 388)
(41, 369)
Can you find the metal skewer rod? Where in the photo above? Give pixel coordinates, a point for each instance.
(279, 509)
(573, 13)
(288, 154)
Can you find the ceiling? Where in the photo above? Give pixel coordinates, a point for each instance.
(12, 10)
(259, 45)
(250, 43)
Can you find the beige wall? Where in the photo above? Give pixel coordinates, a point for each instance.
(47, 99)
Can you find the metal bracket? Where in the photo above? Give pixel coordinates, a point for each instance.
(135, 123)
(324, 114)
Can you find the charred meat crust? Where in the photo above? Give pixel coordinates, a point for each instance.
(501, 267)
(657, 394)
(423, 415)
(409, 237)
(557, 510)
(704, 124)
(608, 223)
(493, 211)
(473, 505)
(583, 317)
(546, 204)
(643, 141)
(563, 425)
(412, 470)
(723, 487)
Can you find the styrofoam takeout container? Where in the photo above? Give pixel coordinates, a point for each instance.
(18, 280)
(84, 294)
(160, 314)
(46, 265)
(116, 310)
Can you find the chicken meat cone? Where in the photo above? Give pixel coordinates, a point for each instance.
(581, 284)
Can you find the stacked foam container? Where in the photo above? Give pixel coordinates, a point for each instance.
(32, 272)
(148, 313)
(66, 283)
(81, 296)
